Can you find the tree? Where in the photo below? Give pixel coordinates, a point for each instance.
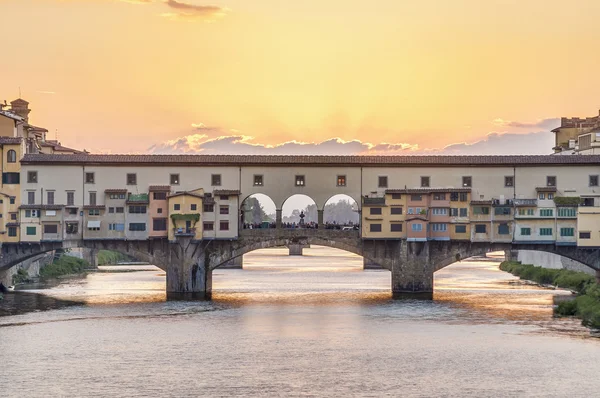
(254, 212)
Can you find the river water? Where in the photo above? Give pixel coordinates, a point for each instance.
(315, 325)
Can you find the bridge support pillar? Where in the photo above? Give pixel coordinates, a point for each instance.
(511, 255)
(188, 275)
(296, 249)
(320, 222)
(412, 271)
(278, 218)
(91, 256)
(370, 264)
(598, 276)
(236, 263)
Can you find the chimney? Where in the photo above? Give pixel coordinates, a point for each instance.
(20, 107)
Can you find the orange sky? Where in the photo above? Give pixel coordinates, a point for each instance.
(122, 75)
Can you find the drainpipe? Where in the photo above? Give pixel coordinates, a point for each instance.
(81, 213)
(239, 205)
(359, 204)
(514, 226)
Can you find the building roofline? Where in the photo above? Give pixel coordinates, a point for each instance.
(309, 160)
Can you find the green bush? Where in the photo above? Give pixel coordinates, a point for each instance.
(558, 277)
(21, 276)
(110, 257)
(587, 304)
(588, 309)
(567, 308)
(65, 265)
(574, 280)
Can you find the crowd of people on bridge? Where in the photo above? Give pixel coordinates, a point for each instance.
(349, 226)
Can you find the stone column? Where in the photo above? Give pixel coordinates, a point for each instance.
(598, 276)
(296, 249)
(91, 256)
(278, 218)
(320, 219)
(188, 273)
(412, 273)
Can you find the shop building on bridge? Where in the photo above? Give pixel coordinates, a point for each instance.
(539, 199)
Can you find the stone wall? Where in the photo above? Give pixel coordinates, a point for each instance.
(31, 265)
(552, 261)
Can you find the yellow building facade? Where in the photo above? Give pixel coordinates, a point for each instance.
(185, 214)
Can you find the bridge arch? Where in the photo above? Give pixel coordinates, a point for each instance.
(257, 208)
(341, 209)
(255, 240)
(297, 203)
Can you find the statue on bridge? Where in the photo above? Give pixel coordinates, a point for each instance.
(302, 218)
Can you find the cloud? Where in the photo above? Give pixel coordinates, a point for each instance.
(546, 124)
(538, 143)
(192, 11)
(215, 141)
(137, 1)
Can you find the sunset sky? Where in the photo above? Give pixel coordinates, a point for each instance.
(238, 75)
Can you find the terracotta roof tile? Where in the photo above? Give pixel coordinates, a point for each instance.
(428, 190)
(99, 207)
(43, 207)
(186, 194)
(10, 140)
(481, 202)
(159, 188)
(226, 192)
(312, 160)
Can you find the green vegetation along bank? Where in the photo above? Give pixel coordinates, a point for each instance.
(587, 304)
(106, 257)
(64, 265)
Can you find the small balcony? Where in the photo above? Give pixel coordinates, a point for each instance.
(184, 231)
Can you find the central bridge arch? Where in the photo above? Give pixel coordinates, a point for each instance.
(222, 253)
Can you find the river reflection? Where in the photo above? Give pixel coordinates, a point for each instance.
(315, 325)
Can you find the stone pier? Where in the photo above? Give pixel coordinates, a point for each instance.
(91, 256)
(370, 264)
(412, 271)
(189, 276)
(296, 249)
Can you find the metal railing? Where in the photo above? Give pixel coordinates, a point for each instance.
(374, 201)
(184, 231)
(525, 202)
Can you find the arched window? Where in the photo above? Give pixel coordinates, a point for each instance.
(11, 156)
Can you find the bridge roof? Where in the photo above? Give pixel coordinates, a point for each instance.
(310, 160)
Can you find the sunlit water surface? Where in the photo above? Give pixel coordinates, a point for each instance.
(316, 325)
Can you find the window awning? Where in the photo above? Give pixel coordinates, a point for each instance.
(93, 224)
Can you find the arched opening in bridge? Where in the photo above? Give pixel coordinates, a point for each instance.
(476, 272)
(299, 211)
(322, 274)
(257, 211)
(341, 212)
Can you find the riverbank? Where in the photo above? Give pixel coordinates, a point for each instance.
(585, 306)
(108, 257)
(64, 265)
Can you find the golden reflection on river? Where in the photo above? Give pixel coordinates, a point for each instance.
(316, 325)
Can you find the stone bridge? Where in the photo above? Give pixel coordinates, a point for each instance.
(189, 263)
